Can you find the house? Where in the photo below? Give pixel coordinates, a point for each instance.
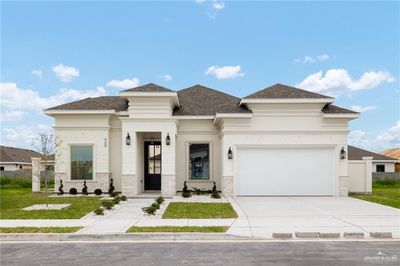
(393, 153)
(277, 141)
(12, 159)
(380, 163)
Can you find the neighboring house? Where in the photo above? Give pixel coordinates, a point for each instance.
(380, 163)
(277, 141)
(394, 153)
(12, 159)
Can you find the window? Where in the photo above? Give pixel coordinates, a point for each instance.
(1, 168)
(199, 165)
(380, 168)
(81, 162)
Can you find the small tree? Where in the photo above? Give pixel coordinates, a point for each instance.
(45, 144)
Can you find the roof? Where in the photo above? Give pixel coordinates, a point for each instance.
(280, 91)
(99, 103)
(15, 155)
(150, 87)
(200, 100)
(333, 109)
(394, 153)
(355, 153)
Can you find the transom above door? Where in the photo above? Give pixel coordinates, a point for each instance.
(152, 165)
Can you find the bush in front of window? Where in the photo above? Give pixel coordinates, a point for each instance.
(73, 191)
(111, 187)
(185, 191)
(215, 195)
(98, 191)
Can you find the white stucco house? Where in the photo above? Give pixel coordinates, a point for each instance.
(277, 141)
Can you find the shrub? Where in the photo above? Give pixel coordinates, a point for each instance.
(185, 188)
(114, 194)
(99, 211)
(199, 191)
(15, 182)
(124, 198)
(150, 210)
(73, 191)
(108, 204)
(215, 195)
(155, 205)
(386, 182)
(214, 188)
(98, 191)
(160, 200)
(116, 200)
(111, 187)
(186, 194)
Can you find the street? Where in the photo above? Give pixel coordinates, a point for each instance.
(185, 253)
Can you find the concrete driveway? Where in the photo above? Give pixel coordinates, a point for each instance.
(262, 216)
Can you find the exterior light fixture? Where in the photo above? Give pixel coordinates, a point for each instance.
(342, 154)
(168, 139)
(230, 154)
(128, 139)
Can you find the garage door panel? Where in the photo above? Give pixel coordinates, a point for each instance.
(284, 171)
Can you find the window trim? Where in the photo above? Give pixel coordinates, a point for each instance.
(70, 145)
(210, 161)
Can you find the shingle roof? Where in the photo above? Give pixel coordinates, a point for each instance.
(150, 87)
(280, 91)
(333, 109)
(355, 153)
(99, 103)
(200, 100)
(11, 155)
(394, 153)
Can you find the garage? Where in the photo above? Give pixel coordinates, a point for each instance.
(284, 172)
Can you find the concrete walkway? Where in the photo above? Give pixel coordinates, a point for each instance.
(262, 216)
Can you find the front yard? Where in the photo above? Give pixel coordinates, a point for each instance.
(385, 192)
(183, 210)
(178, 229)
(12, 200)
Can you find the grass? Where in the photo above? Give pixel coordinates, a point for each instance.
(182, 210)
(22, 182)
(13, 200)
(385, 192)
(178, 229)
(39, 229)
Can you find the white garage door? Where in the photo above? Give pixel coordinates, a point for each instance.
(284, 171)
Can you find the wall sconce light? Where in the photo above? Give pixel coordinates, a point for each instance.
(342, 154)
(168, 139)
(230, 154)
(128, 139)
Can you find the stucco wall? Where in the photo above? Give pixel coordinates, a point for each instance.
(360, 175)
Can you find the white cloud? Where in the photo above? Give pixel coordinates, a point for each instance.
(38, 73)
(225, 72)
(200, 1)
(213, 7)
(218, 5)
(15, 98)
(311, 59)
(338, 81)
(380, 141)
(361, 109)
(65, 73)
(22, 135)
(124, 84)
(8, 116)
(166, 77)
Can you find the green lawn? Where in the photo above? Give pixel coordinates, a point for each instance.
(39, 229)
(182, 210)
(383, 192)
(14, 199)
(178, 229)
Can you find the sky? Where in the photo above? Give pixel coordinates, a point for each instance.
(57, 52)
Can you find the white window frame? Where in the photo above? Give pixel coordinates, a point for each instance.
(93, 161)
(210, 162)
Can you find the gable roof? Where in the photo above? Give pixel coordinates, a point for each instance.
(150, 87)
(280, 91)
(99, 103)
(355, 153)
(394, 153)
(200, 100)
(15, 155)
(333, 109)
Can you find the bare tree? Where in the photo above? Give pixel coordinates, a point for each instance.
(45, 143)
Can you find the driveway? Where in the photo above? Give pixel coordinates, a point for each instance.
(262, 216)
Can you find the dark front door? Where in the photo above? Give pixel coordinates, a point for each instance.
(152, 165)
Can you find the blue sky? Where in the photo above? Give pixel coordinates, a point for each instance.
(55, 52)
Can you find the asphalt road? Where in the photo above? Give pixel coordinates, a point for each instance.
(261, 253)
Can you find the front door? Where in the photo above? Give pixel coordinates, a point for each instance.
(152, 165)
